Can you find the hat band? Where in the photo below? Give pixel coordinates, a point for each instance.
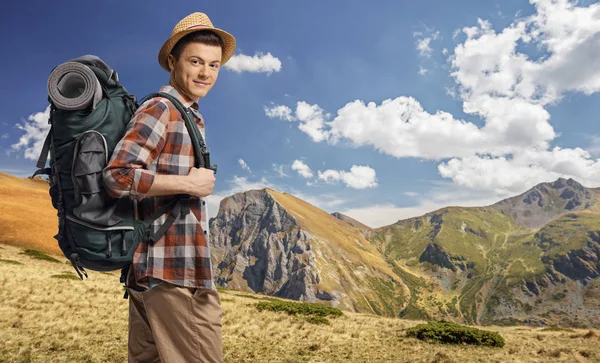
(197, 26)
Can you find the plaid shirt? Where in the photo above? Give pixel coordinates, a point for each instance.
(157, 142)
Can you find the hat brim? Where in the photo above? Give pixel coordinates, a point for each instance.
(229, 45)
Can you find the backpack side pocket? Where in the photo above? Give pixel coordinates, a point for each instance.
(92, 203)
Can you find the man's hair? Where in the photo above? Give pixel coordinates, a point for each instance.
(202, 36)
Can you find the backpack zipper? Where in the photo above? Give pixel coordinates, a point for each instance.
(130, 228)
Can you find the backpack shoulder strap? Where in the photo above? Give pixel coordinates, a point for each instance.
(201, 150)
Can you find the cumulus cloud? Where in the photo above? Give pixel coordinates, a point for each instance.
(359, 177)
(302, 169)
(510, 91)
(36, 129)
(422, 71)
(259, 63)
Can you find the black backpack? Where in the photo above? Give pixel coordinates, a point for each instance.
(89, 113)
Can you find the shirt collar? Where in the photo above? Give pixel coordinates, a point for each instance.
(185, 101)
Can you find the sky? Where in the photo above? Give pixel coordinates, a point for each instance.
(379, 110)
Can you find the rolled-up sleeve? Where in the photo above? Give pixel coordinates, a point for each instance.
(127, 173)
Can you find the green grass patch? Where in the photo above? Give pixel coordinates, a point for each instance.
(444, 332)
(557, 328)
(66, 277)
(299, 308)
(390, 296)
(11, 262)
(39, 255)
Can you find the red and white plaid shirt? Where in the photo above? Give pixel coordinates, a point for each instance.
(157, 142)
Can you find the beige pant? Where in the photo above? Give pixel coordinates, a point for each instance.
(173, 324)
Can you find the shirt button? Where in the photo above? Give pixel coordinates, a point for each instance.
(204, 232)
(203, 202)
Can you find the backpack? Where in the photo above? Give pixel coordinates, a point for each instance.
(89, 113)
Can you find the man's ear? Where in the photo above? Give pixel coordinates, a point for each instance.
(171, 61)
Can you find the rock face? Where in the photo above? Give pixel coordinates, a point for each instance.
(581, 264)
(546, 201)
(309, 255)
(436, 255)
(258, 245)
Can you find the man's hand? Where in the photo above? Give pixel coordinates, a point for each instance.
(198, 182)
(201, 182)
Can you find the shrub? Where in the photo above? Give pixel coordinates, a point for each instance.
(301, 308)
(66, 277)
(40, 255)
(452, 333)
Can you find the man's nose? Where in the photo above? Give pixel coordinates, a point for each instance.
(203, 72)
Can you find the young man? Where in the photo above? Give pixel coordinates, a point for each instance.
(174, 308)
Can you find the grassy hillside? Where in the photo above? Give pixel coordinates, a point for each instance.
(27, 217)
(347, 260)
(46, 316)
(480, 265)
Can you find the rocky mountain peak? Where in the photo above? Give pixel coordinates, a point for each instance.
(547, 201)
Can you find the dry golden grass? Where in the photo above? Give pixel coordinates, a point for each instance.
(337, 233)
(27, 217)
(47, 319)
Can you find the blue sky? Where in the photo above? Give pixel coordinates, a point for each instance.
(381, 111)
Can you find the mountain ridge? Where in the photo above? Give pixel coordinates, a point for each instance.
(529, 259)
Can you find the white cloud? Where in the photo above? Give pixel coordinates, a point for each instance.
(423, 44)
(422, 71)
(5, 136)
(282, 112)
(515, 175)
(424, 48)
(260, 62)
(511, 91)
(302, 169)
(312, 121)
(311, 117)
(359, 177)
(243, 164)
(36, 129)
(445, 51)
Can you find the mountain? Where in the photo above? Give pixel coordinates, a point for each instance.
(531, 259)
(275, 243)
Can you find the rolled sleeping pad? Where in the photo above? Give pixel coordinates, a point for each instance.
(74, 86)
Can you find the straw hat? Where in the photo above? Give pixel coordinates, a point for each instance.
(190, 24)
